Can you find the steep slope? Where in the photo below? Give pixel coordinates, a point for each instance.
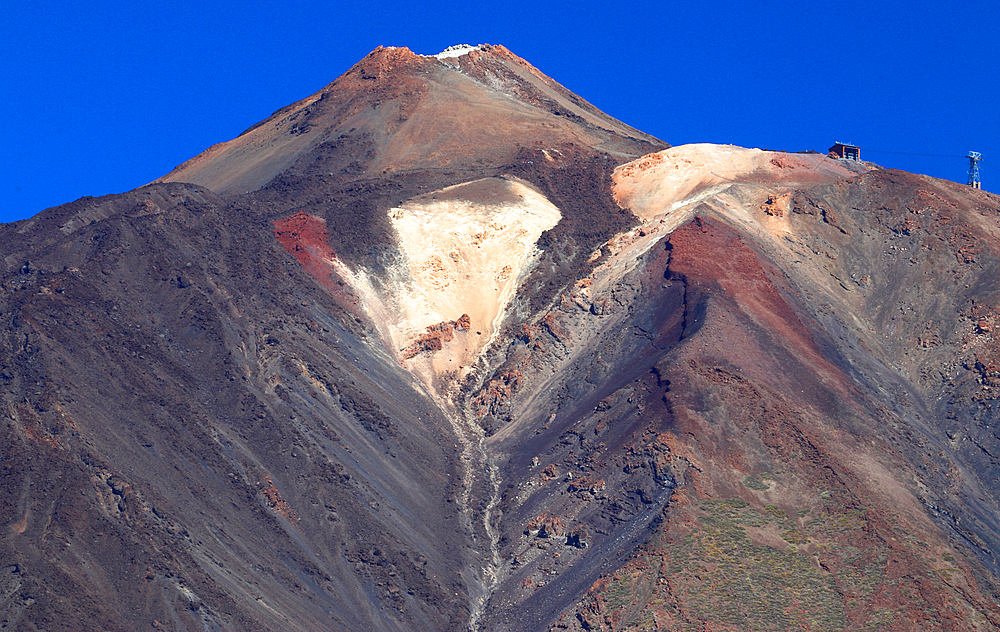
(442, 347)
(195, 439)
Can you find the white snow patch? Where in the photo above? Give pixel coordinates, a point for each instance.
(457, 51)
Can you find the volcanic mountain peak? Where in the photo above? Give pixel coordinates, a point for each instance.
(395, 110)
(442, 347)
(458, 243)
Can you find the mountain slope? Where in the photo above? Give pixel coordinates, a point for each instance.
(444, 347)
(764, 403)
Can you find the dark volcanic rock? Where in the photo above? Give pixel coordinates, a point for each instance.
(216, 450)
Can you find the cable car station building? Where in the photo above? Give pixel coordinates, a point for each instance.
(848, 152)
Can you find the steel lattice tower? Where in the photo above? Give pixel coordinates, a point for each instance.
(974, 158)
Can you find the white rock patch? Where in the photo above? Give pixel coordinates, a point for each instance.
(665, 188)
(466, 249)
(659, 183)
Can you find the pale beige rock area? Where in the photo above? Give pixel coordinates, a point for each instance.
(465, 249)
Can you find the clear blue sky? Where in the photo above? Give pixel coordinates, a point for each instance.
(101, 97)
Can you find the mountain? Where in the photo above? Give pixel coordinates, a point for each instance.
(443, 347)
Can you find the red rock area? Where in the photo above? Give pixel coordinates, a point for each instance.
(305, 237)
(436, 337)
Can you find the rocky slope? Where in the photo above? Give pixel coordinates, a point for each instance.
(444, 347)
(788, 422)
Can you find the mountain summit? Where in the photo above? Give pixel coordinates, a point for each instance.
(396, 111)
(443, 347)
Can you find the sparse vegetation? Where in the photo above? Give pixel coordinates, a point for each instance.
(755, 482)
(618, 593)
(722, 575)
(728, 580)
(794, 536)
(774, 511)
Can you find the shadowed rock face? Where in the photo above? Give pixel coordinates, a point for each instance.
(442, 347)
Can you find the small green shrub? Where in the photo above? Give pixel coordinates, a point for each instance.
(754, 482)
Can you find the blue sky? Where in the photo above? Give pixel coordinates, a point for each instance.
(102, 97)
